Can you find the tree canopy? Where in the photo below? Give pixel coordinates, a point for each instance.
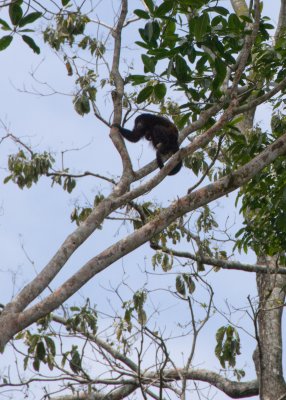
(142, 279)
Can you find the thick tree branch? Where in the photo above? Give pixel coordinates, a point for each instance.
(73, 241)
(117, 394)
(206, 137)
(13, 323)
(32, 290)
(240, 7)
(236, 390)
(246, 50)
(117, 96)
(282, 20)
(111, 203)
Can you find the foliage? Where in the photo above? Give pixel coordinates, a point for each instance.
(27, 169)
(228, 345)
(190, 69)
(263, 198)
(213, 39)
(20, 17)
(84, 319)
(41, 346)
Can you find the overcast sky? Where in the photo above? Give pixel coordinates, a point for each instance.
(34, 222)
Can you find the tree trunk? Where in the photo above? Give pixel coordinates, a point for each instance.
(268, 355)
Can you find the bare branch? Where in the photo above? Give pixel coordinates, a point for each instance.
(224, 264)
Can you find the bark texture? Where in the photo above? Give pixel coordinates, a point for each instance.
(268, 355)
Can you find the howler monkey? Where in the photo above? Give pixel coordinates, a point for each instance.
(160, 131)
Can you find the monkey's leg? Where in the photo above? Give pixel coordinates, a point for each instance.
(159, 155)
(161, 149)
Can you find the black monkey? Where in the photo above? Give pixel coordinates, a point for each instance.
(160, 131)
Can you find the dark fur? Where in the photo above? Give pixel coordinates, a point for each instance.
(161, 132)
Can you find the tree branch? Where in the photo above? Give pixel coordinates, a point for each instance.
(282, 20)
(13, 323)
(224, 264)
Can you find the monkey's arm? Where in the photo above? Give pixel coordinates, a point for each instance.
(133, 136)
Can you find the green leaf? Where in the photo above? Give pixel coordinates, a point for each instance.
(281, 222)
(28, 19)
(5, 25)
(81, 104)
(5, 42)
(181, 68)
(16, 13)
(183, 120)
(69, 184)
(139, 299)
(65, 2)
(8, 178)
(160, 91)
(228, 345)
(164, 8)
(195, 95)
(142, 44)
(201, 26)
(26, 30)
(167, 263)
(218, 20)
(268, 26)
(141, 14)
(137, 79)
(151, 31)
(36, 364)
(220, 68)
(41, 351)
(142, 317)
(144, 94)
(30, 42)
(74, 308)
(150, 5)
(234, 22)
(190, 283)
(51, 345)
(180, 285)
(219, 10)
(149, 63)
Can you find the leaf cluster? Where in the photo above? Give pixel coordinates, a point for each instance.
(264, 197)
(74, 359)
(185, 284)
(87, 92)
(80, 214)
(136, 304)
(228, 345)
(192, 47)
(19, 19)
(68, 25)
(84, 319)
(196, 71)
(41, 349)
(26, 170)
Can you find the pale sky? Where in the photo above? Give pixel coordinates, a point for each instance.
(38, 218)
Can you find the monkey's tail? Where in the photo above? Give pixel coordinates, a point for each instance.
(177, 168)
